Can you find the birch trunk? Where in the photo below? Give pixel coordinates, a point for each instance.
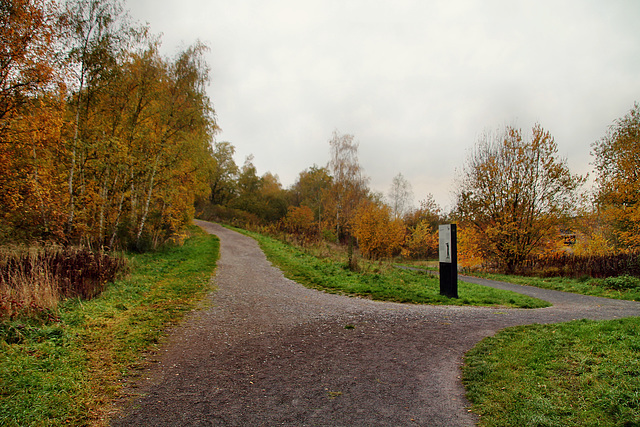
(148, 201)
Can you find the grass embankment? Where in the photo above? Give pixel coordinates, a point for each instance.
(576, 373)
(65, 372)
(581, 373)
(380, 283)
(624, 287)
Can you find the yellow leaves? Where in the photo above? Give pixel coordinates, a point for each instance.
(299, 220)
(469, 251)
(378, 235)
(423, 241)
(514, 192)
(618, 166)
(28, 46)
(31, 152)
(595, 244)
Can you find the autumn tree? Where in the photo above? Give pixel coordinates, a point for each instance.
(514, 192)
(224, 174)
(98, 37)
(249, 186)
(400, 196)
(175, 143)
(379, 233)
(145, 149)
(140, 132)
(348, 188)
(299, 220)
(349, 185)
(470, 246)
(29, 32)
(429, 212)
(617, 162)
(422, 227)
(262, 196)
(309, 188)
(32, 196)
(273, 198)
(31, 120)
(121, 150)
(593, 233)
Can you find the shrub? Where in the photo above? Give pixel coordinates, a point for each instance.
(378, 235)
(329, 236)
(422, 242)
(622, 283)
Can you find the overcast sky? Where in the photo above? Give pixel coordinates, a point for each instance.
(415, 81)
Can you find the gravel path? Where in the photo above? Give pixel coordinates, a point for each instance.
(271, 352)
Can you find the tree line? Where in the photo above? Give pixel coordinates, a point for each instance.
(516, 202)
(106, 143)
(103, 141)
(331, 202)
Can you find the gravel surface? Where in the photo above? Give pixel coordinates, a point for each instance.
(269, 351)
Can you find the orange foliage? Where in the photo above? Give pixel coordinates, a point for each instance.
(618, 166)
(469, 251)
(300, 220)
(32, 193)
(378, 235)
(31, 117)
(514, 191)
(28, 33)
(594, 244)
(117, 160)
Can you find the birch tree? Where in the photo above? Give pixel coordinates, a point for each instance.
(98, 35)
(400, 196)
(349, 185)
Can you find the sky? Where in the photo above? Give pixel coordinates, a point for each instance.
(416, 82)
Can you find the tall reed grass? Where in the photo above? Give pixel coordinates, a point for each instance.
(34, 279)
(570, 265)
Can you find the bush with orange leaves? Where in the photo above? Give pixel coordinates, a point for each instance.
(469, 251)
(378, 235)
(300, 221)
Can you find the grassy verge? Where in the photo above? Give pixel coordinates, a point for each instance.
(64, 372)
(578, 373)
(381, 284)
(585, 286)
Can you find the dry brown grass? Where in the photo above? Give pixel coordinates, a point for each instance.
(34, 279)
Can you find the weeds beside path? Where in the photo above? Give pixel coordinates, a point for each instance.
(271, 352)
(67, 370)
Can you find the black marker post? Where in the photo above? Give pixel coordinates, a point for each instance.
(448, 260)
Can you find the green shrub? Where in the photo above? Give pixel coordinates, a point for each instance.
(622, 283)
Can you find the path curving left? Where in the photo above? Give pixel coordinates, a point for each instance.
(269, 351)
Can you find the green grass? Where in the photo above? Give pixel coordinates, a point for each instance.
(584, 286)
(381, 284)
(66, 372)
(581, 373)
